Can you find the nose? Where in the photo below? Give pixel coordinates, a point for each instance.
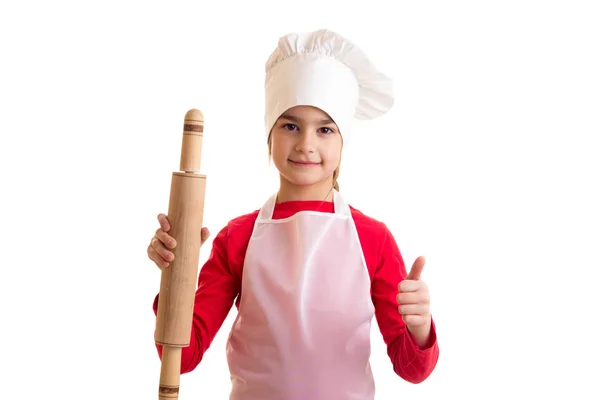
(305, 143)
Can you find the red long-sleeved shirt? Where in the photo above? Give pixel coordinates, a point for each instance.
(219, 286)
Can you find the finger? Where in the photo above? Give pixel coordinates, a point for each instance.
(410, 286)
(417, 268)
(165, 238)
(163, 220)
(204, 235)
(418, 297)
(410, 298)
(162, 251)
(158, 260)
(413, 309)
(414, 320)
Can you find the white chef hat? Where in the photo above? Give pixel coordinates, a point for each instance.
(324, 70)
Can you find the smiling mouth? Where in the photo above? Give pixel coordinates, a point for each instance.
(304, 163)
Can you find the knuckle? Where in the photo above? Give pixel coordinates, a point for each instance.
(171, 241)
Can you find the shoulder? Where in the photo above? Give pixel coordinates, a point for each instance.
(232, 240)
(368, 225)
(376, 240)
(242, 221)
(237, 231)
(239, 228)
(383, 256)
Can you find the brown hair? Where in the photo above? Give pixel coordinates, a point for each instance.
(336, 173)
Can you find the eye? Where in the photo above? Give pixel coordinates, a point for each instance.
(326, 130)
(290, 127)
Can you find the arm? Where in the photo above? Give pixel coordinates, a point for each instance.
(411, 361)
(216, 292)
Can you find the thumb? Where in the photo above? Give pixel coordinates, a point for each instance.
(417, 268)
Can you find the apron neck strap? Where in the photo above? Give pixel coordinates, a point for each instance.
(339, 204)
(266, 212)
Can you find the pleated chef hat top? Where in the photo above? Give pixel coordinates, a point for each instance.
(324, 70)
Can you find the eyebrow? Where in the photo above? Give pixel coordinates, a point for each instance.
(297, 119)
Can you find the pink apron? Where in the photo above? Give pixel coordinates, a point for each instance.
(303, 327)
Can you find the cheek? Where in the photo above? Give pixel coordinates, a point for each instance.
(333, 156)
(279, 152)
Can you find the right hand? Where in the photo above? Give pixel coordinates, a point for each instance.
(159, 249)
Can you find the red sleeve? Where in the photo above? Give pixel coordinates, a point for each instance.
(410, 362)
(216, 292)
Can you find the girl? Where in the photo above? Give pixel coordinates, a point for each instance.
(306, 271)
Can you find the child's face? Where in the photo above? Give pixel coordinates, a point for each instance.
(306, 145)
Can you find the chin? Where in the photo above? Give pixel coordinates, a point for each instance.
(304, 179)
(302, 176)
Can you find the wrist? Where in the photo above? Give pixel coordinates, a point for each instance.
(421, 333)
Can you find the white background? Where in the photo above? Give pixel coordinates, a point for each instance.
(488, 166)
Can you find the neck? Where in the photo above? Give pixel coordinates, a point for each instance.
(321, 191)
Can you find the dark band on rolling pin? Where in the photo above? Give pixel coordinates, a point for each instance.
(193, 128)
(168, 389)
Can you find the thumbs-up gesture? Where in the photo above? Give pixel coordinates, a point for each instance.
(413, 301)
